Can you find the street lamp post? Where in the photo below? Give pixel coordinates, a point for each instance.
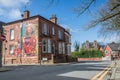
(5, 50)
(119, 52)
(40, 45)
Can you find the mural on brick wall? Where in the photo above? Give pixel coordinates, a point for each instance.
(26, 43)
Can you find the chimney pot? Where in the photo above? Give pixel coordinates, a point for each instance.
(26, 14)
(53, 19)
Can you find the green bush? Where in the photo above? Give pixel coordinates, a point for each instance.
(75, 54)
(90, 53)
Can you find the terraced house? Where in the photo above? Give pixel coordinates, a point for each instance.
(34, 40)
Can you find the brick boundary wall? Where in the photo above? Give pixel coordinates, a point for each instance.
(23, 60)
(89, 59)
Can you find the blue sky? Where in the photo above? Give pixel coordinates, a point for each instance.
(11, 10)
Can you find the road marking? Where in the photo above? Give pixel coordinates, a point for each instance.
(77, 74)
(102, 74)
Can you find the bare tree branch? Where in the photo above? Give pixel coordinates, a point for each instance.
(82, 8)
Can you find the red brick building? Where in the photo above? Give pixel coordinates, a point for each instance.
(34, 40)
(112, 51)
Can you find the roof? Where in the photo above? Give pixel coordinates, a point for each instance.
(102, 46)
(36, 16)
(91, 44)
(114, 46)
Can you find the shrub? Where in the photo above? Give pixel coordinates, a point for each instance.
(90, 53)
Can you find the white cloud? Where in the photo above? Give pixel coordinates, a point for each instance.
(12, 3)
(113, 38)
(75, 30)
(11, 8)
(1, 12)
(15, 14)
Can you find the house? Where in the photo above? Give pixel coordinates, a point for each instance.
(1, 32)
(89, 45)
(101, 46)
(112, 50)
(34, 40)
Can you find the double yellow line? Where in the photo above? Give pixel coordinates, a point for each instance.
(103, 73)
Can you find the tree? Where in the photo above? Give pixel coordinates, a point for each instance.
(76, 46)
(108, 16)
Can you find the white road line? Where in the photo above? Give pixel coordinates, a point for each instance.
(77, 74)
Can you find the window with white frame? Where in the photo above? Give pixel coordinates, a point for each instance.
(49, 46)
(60, 48)
(59, 34)
(11, 34)
(63, 48)
(68, 49)
(53, 31)
(46, 47)
(45, 29)
(11, 49)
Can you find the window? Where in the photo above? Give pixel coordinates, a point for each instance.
(69, 39)
(68, 49)
(106, 51)
(59, 34)
(53, 48)
(63, 46)
(60, 48)
(46, 48)
(11, 34)
(53, 31)
(49, 46)
(44, 30)
(11, 49)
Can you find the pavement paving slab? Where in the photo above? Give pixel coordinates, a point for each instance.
(4, 69)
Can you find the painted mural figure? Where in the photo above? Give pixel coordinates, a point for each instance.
(27, 40)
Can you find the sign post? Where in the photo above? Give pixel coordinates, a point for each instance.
(2, 38)
(40, 45)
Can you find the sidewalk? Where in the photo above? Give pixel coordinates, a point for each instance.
(40, 64)
(4, 69)
(116, 71)
(9, 67)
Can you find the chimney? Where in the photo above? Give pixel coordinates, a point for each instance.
(95, 44)
(53, 19)
(26, 14)
(113, 42)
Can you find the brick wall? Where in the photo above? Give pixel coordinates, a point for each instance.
(89, 59)
(21, 60)
(33, 56)
(26, 58)
(107, 48)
